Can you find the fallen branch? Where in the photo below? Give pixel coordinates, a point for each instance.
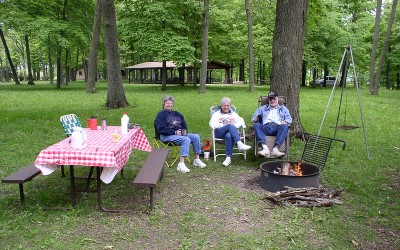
(305, 197)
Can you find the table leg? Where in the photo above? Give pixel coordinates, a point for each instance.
(89, 178)
(72, 177)
(100, 198)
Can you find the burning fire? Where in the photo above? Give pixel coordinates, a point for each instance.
(288, 169)
(296, 169)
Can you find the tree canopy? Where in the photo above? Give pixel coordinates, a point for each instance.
(172, 30)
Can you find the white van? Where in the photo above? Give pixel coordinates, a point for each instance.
(330, 80)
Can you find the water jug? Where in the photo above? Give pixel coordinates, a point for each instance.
(78, 138)
(124, 123)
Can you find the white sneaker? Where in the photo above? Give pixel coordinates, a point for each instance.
(227, 161)
(244, 147)
(199, 163)
(276, 153)
(182, 168)
(265, 152)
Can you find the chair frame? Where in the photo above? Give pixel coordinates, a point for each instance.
(262, 100)
(175, 148)
(68, 126)
(219, 141)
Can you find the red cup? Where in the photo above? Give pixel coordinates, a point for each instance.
(91, 123)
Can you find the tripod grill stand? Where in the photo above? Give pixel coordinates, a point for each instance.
(347, 60)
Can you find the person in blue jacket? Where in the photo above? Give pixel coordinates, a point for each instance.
(171, 126)
(271, 119)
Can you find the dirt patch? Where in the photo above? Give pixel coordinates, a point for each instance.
(247, 182)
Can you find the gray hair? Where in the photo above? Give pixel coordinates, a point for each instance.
(225, 100)
(168, 98)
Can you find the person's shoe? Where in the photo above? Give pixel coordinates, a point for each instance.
(276, 153)
(199, 163)
(244, 147)
(227, 161)
(265, 152)
(182, 168)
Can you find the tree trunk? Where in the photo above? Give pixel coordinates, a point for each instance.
(164, 76)
(115, 94)
(250, 45)
(59, 68)
(303, 73)
(388, 73)
(43, 64)
(28, 58)
(204, 52)
(384, 49)
(290, 27)
(94, 49)
(374, 47)
(326, 73)
(3, 39)
(51, 68)
(67, 68)
(241, 70)
(2, 69)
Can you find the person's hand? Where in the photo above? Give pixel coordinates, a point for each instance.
(178, 132)
(255, 119)
(283, 122)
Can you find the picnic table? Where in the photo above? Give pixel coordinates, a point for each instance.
(107, 156)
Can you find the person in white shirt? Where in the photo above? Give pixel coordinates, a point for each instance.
(271, 119)
(226, 124)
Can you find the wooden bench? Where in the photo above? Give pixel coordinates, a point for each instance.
(152, 171)
(21, 176)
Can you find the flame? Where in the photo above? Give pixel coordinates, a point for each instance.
(296, 169)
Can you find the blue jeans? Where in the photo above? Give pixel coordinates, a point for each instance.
(230, 134)
(280, 131)
(184, 142)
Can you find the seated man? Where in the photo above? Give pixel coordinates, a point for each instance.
(226, 124)
(171, 126)
(271, 119)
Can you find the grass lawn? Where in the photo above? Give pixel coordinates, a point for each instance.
(211, 208)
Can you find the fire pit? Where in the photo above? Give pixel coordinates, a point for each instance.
(275, 175)
(272, 178)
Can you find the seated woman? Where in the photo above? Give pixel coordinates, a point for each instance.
(170, 124)
(226, 124)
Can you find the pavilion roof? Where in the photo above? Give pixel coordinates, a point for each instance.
(152, 65)
(171, 65)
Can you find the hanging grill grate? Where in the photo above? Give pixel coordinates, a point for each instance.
(317, 148)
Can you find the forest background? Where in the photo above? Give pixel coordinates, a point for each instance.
(43, 36)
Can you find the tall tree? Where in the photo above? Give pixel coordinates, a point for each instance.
(250, 45)
(28, 58)
(204, 52)
(290, 27)
(115, 93)
(3, 39)
(94, 48)
(374, 46)
(384, 50)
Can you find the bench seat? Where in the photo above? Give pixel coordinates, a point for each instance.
(152, 171)
(21, 176)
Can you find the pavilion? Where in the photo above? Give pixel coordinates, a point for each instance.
(150, 72)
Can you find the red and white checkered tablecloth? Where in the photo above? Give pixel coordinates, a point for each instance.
(101, 151)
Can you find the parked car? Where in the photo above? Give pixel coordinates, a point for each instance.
(330, 80)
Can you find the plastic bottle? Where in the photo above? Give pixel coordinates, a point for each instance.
(124, 123)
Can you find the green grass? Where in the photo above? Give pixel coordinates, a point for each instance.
(206, 208)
